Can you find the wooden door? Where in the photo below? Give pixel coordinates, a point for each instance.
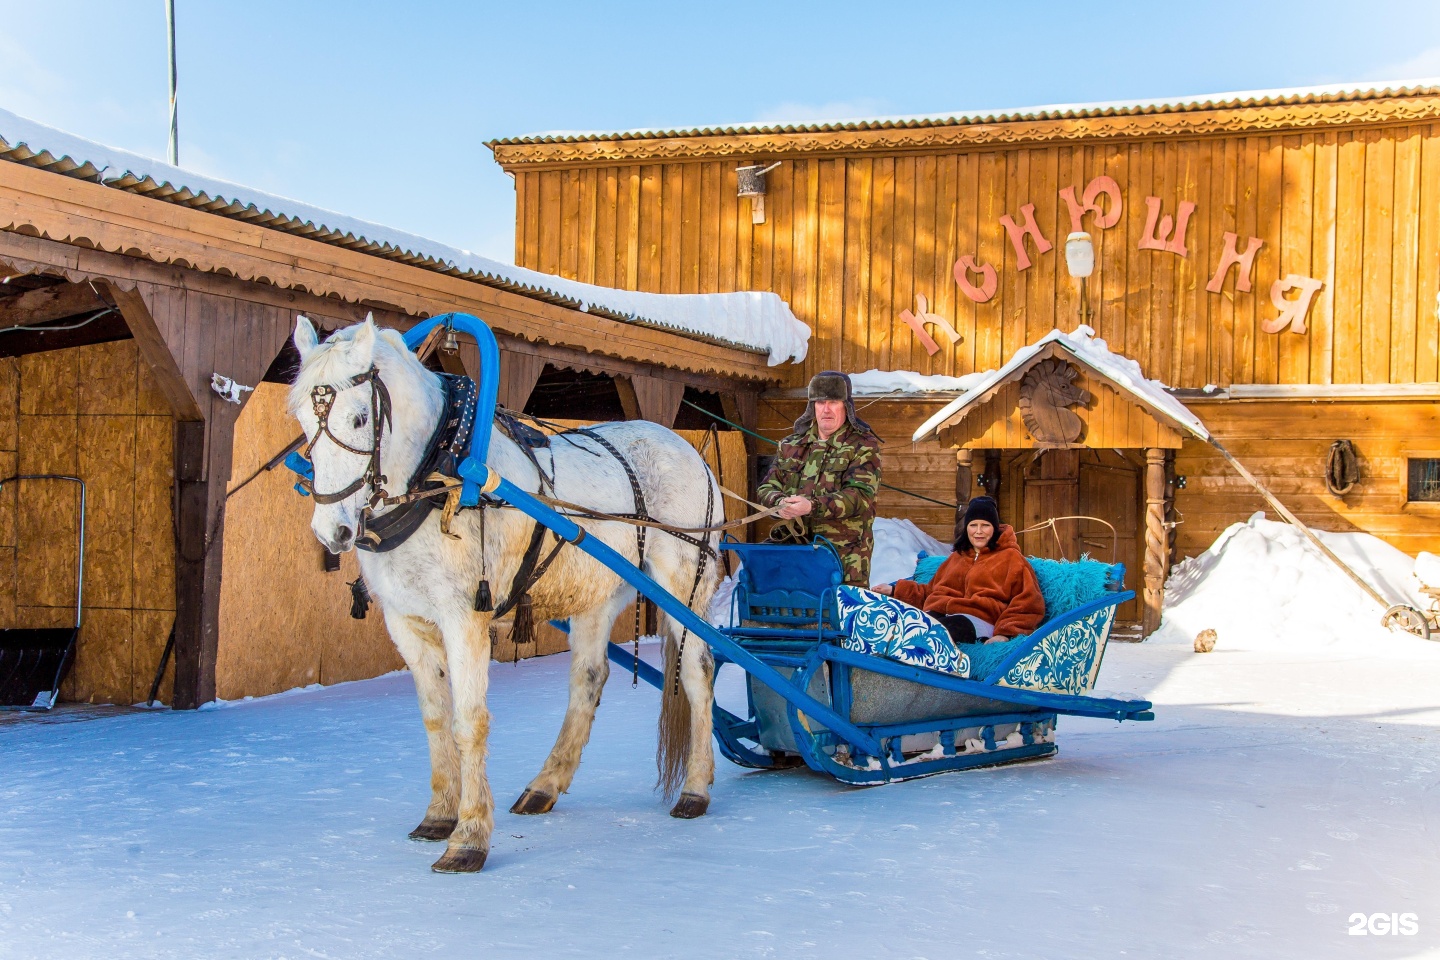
(1109, 488)
(1051, 489)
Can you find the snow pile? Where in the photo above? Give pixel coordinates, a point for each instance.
(761, 321)
(1261, 586)
(897, 544)
(1427, 570)
(1083, 344)
(873, 382)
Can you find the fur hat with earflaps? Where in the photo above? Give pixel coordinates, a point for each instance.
(830, 385)
(979, 508)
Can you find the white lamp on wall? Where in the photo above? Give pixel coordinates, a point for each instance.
(1080, 262)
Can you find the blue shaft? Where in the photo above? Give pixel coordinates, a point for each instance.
(488, 387)
(480, 474)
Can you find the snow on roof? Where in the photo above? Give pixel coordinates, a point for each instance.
(1095, 353)
(1366, 90)
(757, 321)
(873, 382)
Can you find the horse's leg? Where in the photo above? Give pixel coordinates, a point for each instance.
(589, 668)
(420, 645)
(696, 679)
(467, 654)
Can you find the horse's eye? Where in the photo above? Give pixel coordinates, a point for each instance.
(361, 419)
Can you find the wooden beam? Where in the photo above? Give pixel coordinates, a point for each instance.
(518, 375)
(629, 400)
(57, 302)
(156, 352)
(113, 220)
(651, 398)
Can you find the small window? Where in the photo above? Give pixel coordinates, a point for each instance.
(1424, 480)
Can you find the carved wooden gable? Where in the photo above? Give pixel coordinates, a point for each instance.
(1054, 402)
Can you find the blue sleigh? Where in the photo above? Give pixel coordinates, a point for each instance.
(921, 721)
(863, 719)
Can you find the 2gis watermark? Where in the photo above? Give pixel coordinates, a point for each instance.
(1383, 924)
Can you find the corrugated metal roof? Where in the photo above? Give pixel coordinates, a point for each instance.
(698, 316)
(1332, 93)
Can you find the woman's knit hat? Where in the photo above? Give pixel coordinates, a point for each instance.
(979, 508)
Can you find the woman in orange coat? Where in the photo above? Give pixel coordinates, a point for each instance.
(985, 591)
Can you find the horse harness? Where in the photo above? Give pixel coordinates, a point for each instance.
(448, 445)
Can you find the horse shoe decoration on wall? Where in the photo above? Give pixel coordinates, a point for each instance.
(1046, 390)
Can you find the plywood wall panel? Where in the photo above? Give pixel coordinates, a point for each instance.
(107, 463)
(149, 631)
(106, 381)
(284, 621)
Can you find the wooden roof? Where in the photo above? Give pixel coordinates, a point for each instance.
(1304, 109)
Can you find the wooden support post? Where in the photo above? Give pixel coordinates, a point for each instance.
(991, 481)
(649, 398)
(1157, 539)
(964, 481)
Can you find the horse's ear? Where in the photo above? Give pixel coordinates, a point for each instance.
(305, 336)
(362, 348)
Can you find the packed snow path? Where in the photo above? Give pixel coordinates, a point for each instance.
(1275, 795)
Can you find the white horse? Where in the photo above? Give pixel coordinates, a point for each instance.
(427, 586)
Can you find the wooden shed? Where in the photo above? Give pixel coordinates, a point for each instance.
(1273, 258)
(135, 284)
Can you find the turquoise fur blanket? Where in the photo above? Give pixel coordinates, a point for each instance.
(1064, 584)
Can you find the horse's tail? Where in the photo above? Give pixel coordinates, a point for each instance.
(673, 736)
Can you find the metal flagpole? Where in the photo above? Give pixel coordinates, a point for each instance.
(174, 113)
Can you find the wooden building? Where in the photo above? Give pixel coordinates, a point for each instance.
(136, 284)
(1274, 258)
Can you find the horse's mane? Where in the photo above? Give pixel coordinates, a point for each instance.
(330, 363)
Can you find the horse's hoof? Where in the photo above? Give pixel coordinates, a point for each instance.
(433, 829)
(461, 860)
(533, 801)
(690, 806)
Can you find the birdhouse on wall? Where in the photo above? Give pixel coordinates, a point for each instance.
(750, 182)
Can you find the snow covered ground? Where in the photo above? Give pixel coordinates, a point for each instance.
(1283, 787)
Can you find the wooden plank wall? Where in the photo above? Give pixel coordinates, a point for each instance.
(1292, 466)
(97, 413)
(849, 242)
(1285, 444)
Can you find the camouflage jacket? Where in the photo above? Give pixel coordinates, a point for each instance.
(840, 476)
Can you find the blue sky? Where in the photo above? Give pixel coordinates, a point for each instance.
(381, 110)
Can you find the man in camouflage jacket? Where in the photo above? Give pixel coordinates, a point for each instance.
(826, 474)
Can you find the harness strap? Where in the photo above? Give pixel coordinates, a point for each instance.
(529, 571)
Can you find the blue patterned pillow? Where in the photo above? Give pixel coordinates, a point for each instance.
(885, 627)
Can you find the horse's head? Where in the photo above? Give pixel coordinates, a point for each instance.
(367, 406)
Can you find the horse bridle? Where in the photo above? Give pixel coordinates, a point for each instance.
(322, 401)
